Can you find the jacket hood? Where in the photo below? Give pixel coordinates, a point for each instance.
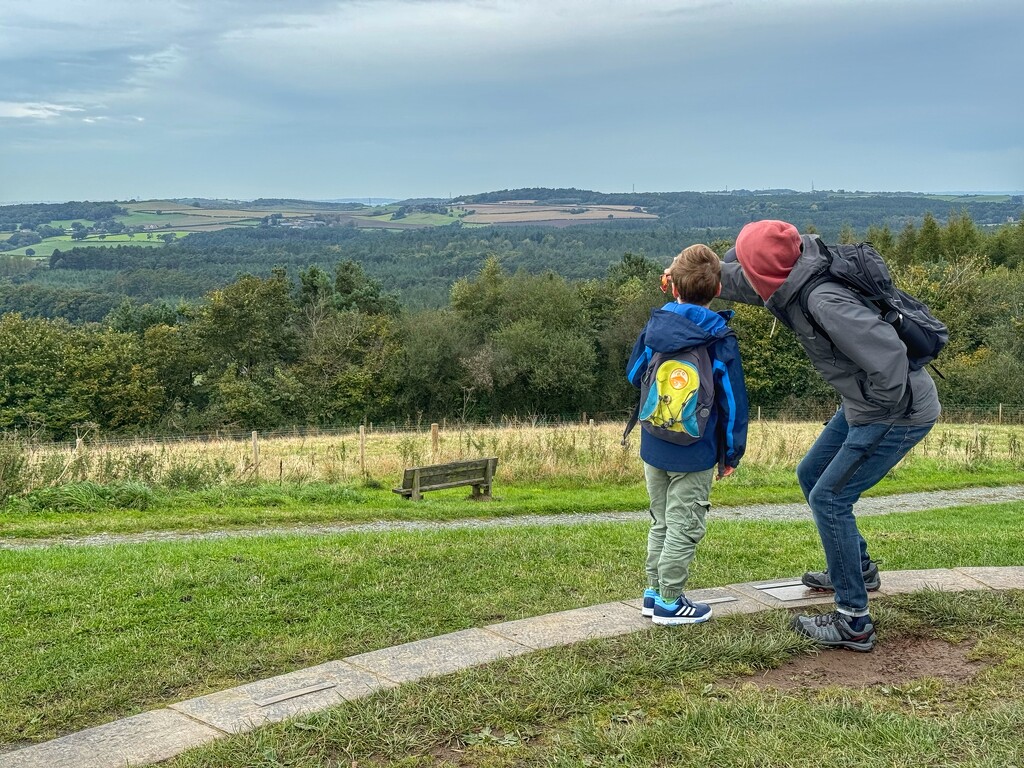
(811, 263)
(677, 326)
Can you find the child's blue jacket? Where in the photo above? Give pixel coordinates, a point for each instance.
(677, 326)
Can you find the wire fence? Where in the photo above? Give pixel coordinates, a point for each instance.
(976, 414)
(585, 448)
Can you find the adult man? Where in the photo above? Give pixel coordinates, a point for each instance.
(886, 409)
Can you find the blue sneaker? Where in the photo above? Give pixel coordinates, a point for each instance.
(682, 611)
(650, 595)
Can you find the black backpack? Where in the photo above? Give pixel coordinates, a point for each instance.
(862, 269)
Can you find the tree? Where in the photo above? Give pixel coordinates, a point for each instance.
(249, 324)
(929, 241)
(539, 369)
(56, 375)
(346, 367)
(882, 239)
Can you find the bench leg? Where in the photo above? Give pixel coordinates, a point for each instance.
(416, 495)
(476, 491)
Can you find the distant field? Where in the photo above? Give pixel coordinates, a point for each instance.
(975, 198)
(158, 217)
(425, 219)
(521, 212)
(65, 243)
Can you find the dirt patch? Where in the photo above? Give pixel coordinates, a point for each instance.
(890, 663)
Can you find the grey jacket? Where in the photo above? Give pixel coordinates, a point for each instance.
(866, 363)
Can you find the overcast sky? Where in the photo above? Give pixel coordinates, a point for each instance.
(115, 99)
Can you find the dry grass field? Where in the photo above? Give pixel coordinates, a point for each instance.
(519, 212)
(571, 452)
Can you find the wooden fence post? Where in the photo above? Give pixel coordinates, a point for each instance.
(362, 450)
(1000, 413)
(435, 442)
(256, 452)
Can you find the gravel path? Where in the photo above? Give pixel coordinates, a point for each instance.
(882, 505)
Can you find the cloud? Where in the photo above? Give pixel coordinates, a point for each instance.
(34, 110)
(404, 96)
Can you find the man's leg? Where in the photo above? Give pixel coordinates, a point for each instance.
(819, 457)
(866, 455)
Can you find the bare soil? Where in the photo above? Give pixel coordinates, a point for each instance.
(890, 663)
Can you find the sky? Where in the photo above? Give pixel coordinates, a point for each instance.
(122, 99)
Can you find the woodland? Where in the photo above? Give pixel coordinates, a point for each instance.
(265, 327)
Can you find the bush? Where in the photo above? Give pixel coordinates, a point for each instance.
(90, 497)
(195, 474)
(12, 466)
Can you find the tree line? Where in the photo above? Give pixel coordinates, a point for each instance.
(335, 346)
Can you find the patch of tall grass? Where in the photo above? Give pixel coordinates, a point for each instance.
(573, 453)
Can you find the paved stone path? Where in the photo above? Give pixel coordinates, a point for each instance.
(879, 505)
(163, 733)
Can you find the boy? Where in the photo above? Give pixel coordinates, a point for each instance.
(678, 467)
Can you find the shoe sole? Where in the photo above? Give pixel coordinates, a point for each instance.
(672, 621)
(849, 645)
(648, 612)
(873, 587)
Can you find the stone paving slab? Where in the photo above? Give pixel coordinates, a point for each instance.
(139, 740)
(782, 593)
(942, 579)
(1010, 577)
(438, 656)
(725, 601)
(249, 706)
(608, 620)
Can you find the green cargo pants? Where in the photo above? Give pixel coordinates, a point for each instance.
(679, 505)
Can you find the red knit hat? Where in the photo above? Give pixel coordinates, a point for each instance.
(767, 251)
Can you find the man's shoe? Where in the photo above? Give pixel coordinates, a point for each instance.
(682, 611)
(820, 581)
(650, 595)
(834, 630)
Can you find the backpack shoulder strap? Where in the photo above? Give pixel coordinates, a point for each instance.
(631, 422)
(804, 299)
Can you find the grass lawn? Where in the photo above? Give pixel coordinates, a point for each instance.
(78, 509)
(689, 697)
(91, 634)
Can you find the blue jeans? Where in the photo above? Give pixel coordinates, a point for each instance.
(843, 463)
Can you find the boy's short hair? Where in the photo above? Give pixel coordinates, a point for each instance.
(696, 274)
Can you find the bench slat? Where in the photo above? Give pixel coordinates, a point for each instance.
(450, 475)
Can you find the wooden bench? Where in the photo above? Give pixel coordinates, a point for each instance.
(476, 472)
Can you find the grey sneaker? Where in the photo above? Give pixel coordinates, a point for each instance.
(820, 581)
(833, 630)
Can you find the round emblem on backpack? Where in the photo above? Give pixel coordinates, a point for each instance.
(678, 379)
